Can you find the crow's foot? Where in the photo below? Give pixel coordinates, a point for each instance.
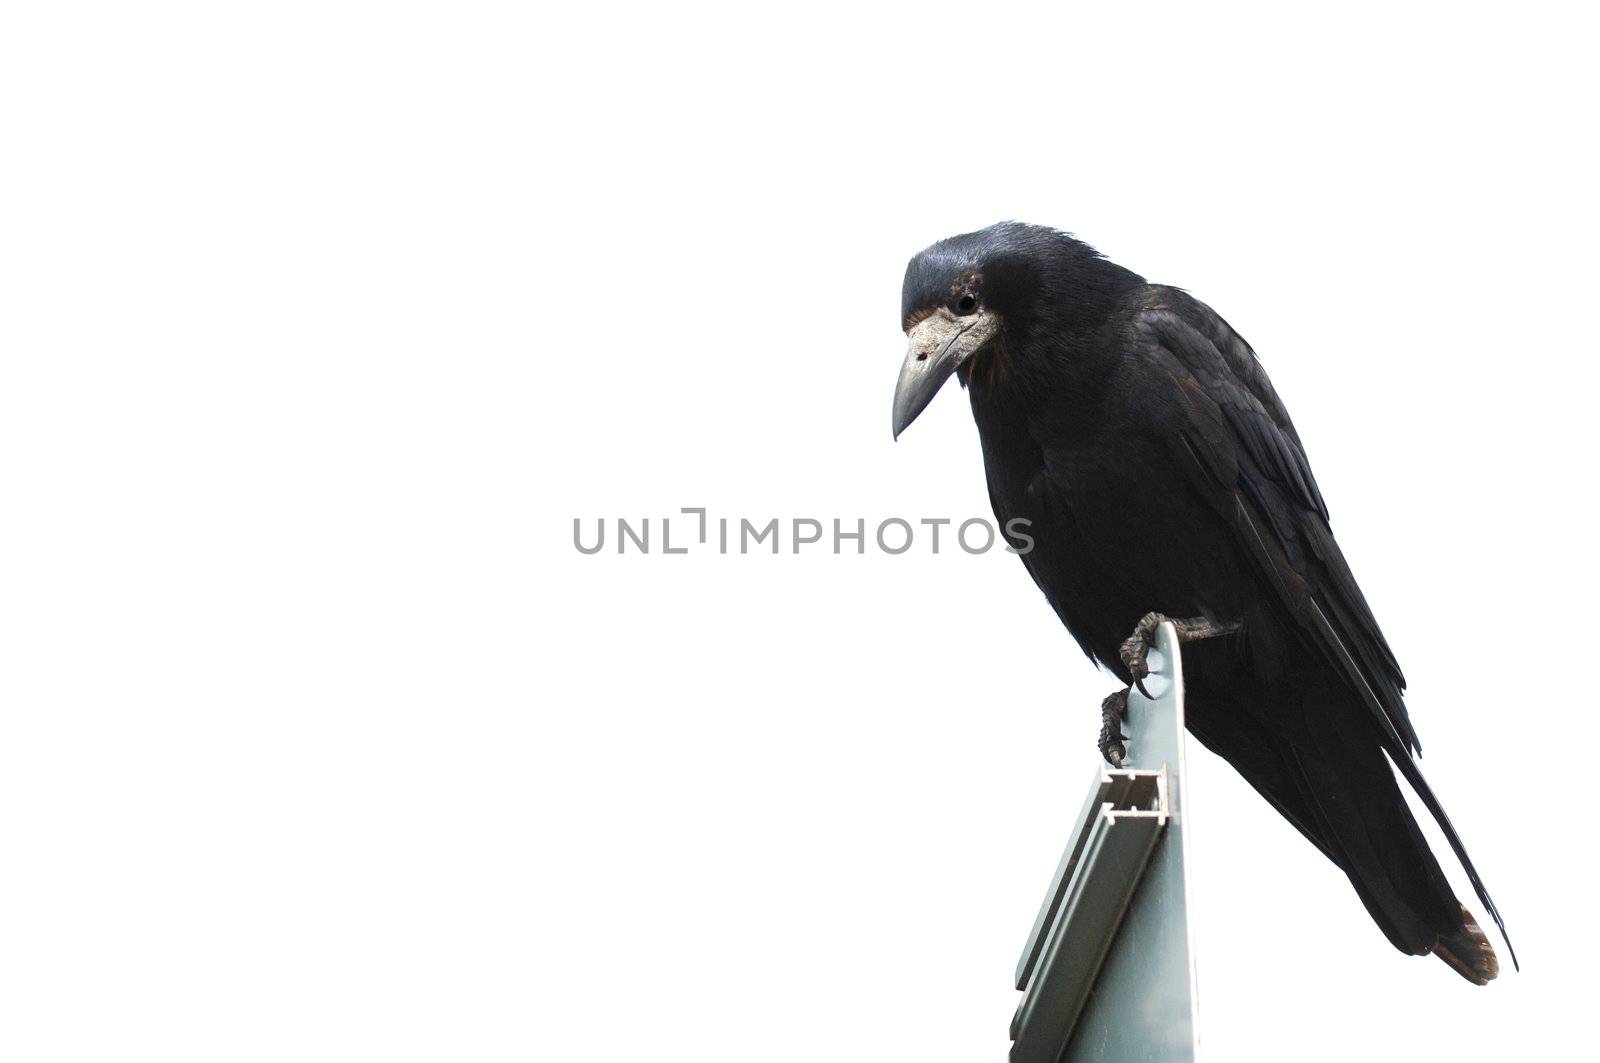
(1113, 710)
(1136, 647)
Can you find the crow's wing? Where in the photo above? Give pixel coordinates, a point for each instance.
(1255, 469)
(1246, 457)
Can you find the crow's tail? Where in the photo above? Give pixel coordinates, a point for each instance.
(1329, 776)
(1367, 828)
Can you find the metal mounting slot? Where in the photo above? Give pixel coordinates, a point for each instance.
(1107, 973)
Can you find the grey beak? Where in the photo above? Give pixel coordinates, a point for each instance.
(939, 344)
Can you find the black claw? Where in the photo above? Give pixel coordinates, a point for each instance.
(1140, 684)
(1113, 709)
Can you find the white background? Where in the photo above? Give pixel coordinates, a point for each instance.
(323, 322)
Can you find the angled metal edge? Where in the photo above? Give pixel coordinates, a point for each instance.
(1114, 788)
(1044, 1029)
(1103, 883)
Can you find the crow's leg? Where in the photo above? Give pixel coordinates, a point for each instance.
(1113, 711)
(1136, 647)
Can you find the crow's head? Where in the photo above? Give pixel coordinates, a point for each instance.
(969, 299)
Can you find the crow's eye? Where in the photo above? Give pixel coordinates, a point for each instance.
(967, 304)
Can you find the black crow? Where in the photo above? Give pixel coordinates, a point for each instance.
(1162, 477)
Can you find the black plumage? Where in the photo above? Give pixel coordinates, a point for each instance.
(1140, 436)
